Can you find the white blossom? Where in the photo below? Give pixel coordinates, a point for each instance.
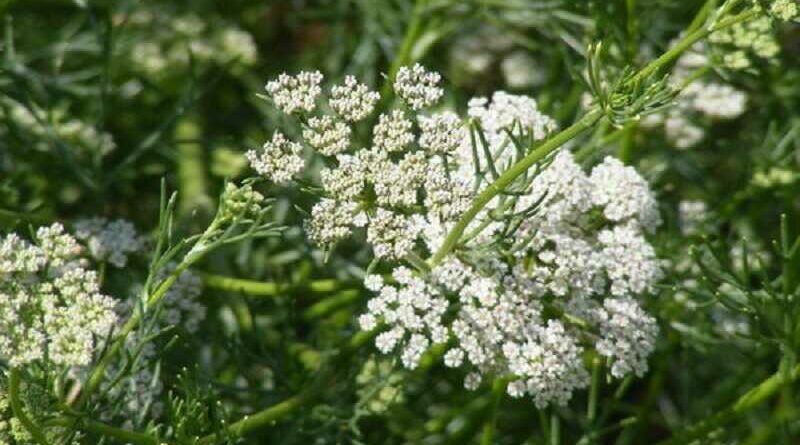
(50, 305)
(418, 87)
(691, 216)
(628, 336)
(346, 181)
(296, 93)
(353, 101)
(441, 133)
(331, 221)
(279, 159)
(624, 194)
(391, 235)
(327, 135)
(393, 132)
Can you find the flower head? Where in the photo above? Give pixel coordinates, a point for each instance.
(279, 159)
(418, 87)
(296, 93)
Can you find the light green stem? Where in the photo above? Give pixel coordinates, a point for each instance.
(508, 176)
(18, 408)
(105, 430)
(266, 288)
(751, 399)
(404, 53)
(490, 426)
(97, 375)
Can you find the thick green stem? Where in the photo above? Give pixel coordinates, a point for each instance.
(105, 430)
(751, 399)
(18, 408)
(490, 425)
(255, 288)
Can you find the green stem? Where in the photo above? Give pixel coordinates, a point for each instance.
(490, 426)
(555, 428)
(278, 412)
(586, 122)
(508, 176)
(404, 53)
(97, 375)
(751, 399)
(105, 430)
(19, 410)
(331, 304)
(594, 390)
(255, 288)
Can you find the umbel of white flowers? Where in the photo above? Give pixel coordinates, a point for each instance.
(50, 303)
(507, 303)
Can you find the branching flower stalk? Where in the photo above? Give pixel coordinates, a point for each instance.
(586, 122)
(239, 208)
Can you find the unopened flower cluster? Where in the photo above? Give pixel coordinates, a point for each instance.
(50, 303)
(583, 253)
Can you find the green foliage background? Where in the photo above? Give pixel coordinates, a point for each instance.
(191, 122)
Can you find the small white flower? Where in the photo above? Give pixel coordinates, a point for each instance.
(417, 87)
(109, 241)
(353, 101)
(453, 358)
(391, 235)
(393, 132)
(373, 282)
(330, 221)
(279, 159)
(472, 381)
(441, 132)
(327, 135)
(296, 93)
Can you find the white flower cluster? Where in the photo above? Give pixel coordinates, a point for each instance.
(326, 135)
(572, 258)
(627, 336)
(84, 140)
(353, 101)
(295, 93)
(441, 133)
(418, 87)
(279, 159)
(180, 305)
(784, 9)
(478, 52)
(586, 242)
(692, 215)
(381, 186)
(110, 241)
(50, 304)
